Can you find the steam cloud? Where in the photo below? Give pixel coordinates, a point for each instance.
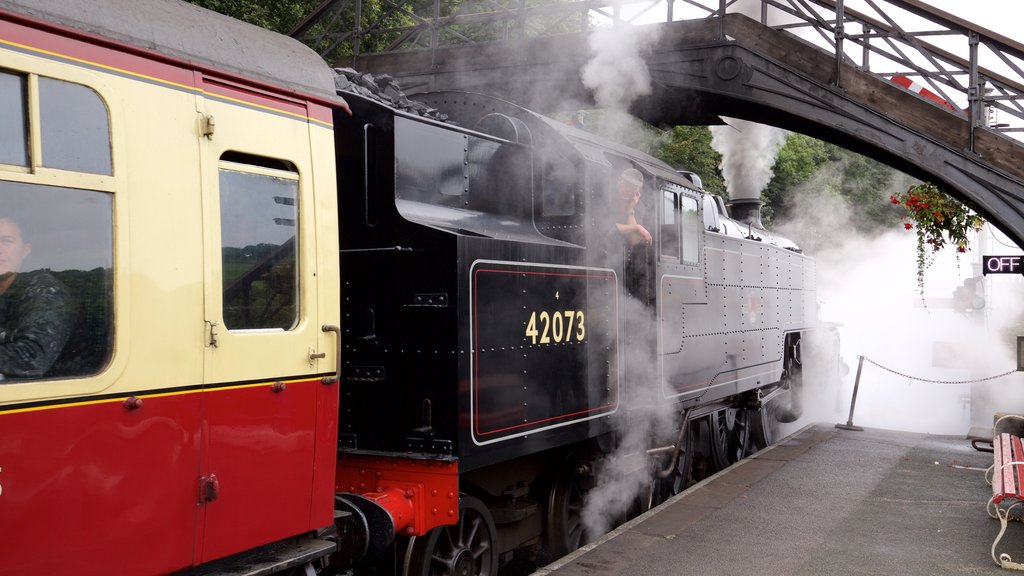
(748, 149)
(748, 153)
(618, 75)
(617, 72)
(867, 287)
(624, 477)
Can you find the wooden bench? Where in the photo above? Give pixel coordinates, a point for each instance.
(1007, 489)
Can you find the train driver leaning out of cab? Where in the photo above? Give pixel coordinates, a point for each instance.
(631, 182)
(35, 310)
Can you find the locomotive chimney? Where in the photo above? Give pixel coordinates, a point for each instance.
(747, 210)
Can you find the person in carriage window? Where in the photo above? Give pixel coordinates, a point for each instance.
(35, 310)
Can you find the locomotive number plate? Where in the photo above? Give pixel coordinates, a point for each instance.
(558, 326)
(544, 347)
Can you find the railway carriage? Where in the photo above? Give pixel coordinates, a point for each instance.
(167, 165)
(298, 328)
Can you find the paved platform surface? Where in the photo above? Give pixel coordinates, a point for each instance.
(822, 502)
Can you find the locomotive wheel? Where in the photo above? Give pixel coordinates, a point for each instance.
(730, 436)
(469, 548)
(565, 530)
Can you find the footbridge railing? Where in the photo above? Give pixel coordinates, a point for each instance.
(975, 72)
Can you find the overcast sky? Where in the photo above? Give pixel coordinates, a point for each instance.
(1002, 16)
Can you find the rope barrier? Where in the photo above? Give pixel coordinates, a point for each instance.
(856, 385)
(908, 376)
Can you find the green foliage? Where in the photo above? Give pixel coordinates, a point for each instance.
(805, 165)
(682, 147)
(798, 159)
(388, 25)
(865, 184)
(279, 15)
(506, 27)
(259, 286)
(689, 148)
(284, 15)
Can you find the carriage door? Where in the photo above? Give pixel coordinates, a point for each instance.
(261, 328)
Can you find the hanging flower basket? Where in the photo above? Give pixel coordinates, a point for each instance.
(938, 220)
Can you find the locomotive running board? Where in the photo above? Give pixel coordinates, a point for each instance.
(267, 560)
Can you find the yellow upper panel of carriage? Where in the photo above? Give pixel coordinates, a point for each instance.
(163, 164)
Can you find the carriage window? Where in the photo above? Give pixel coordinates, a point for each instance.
(14, 121)
(56, 281)
(669, 225)
(690, 219)
(259, 222)
(74, 127)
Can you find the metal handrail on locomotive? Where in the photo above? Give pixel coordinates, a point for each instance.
(252, 323)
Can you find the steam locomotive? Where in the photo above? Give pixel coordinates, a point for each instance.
(314, 329)
(497, 326)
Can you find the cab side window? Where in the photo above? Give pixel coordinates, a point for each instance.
(689, 217)
(669, 224)
(562, 208)
(259, 225)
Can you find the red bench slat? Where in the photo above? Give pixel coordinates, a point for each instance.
(1006, 479)
(1018, 456)
(997, 473)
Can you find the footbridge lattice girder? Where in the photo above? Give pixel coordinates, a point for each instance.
(762, 77)
(963, 64)
(739, 67)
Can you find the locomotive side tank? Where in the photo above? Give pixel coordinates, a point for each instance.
(498, 326)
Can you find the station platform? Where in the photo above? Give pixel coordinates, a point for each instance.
(821, 502)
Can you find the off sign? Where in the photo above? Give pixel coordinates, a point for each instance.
(1002, 264)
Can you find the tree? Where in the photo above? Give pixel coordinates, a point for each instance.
(279, 15)
(861, 183)
(798, 159)
(689, 148)
(283, 16)
(398, 24)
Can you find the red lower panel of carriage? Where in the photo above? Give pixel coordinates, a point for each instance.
(160, 482)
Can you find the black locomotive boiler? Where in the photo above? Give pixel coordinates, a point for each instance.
(498, 330)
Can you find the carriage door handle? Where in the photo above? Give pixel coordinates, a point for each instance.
(209, 488)
(337, 354)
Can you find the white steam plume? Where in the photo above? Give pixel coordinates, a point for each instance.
(617, 75)
(617, 72)
(644, 414)
(868, 287)
(748, 153)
